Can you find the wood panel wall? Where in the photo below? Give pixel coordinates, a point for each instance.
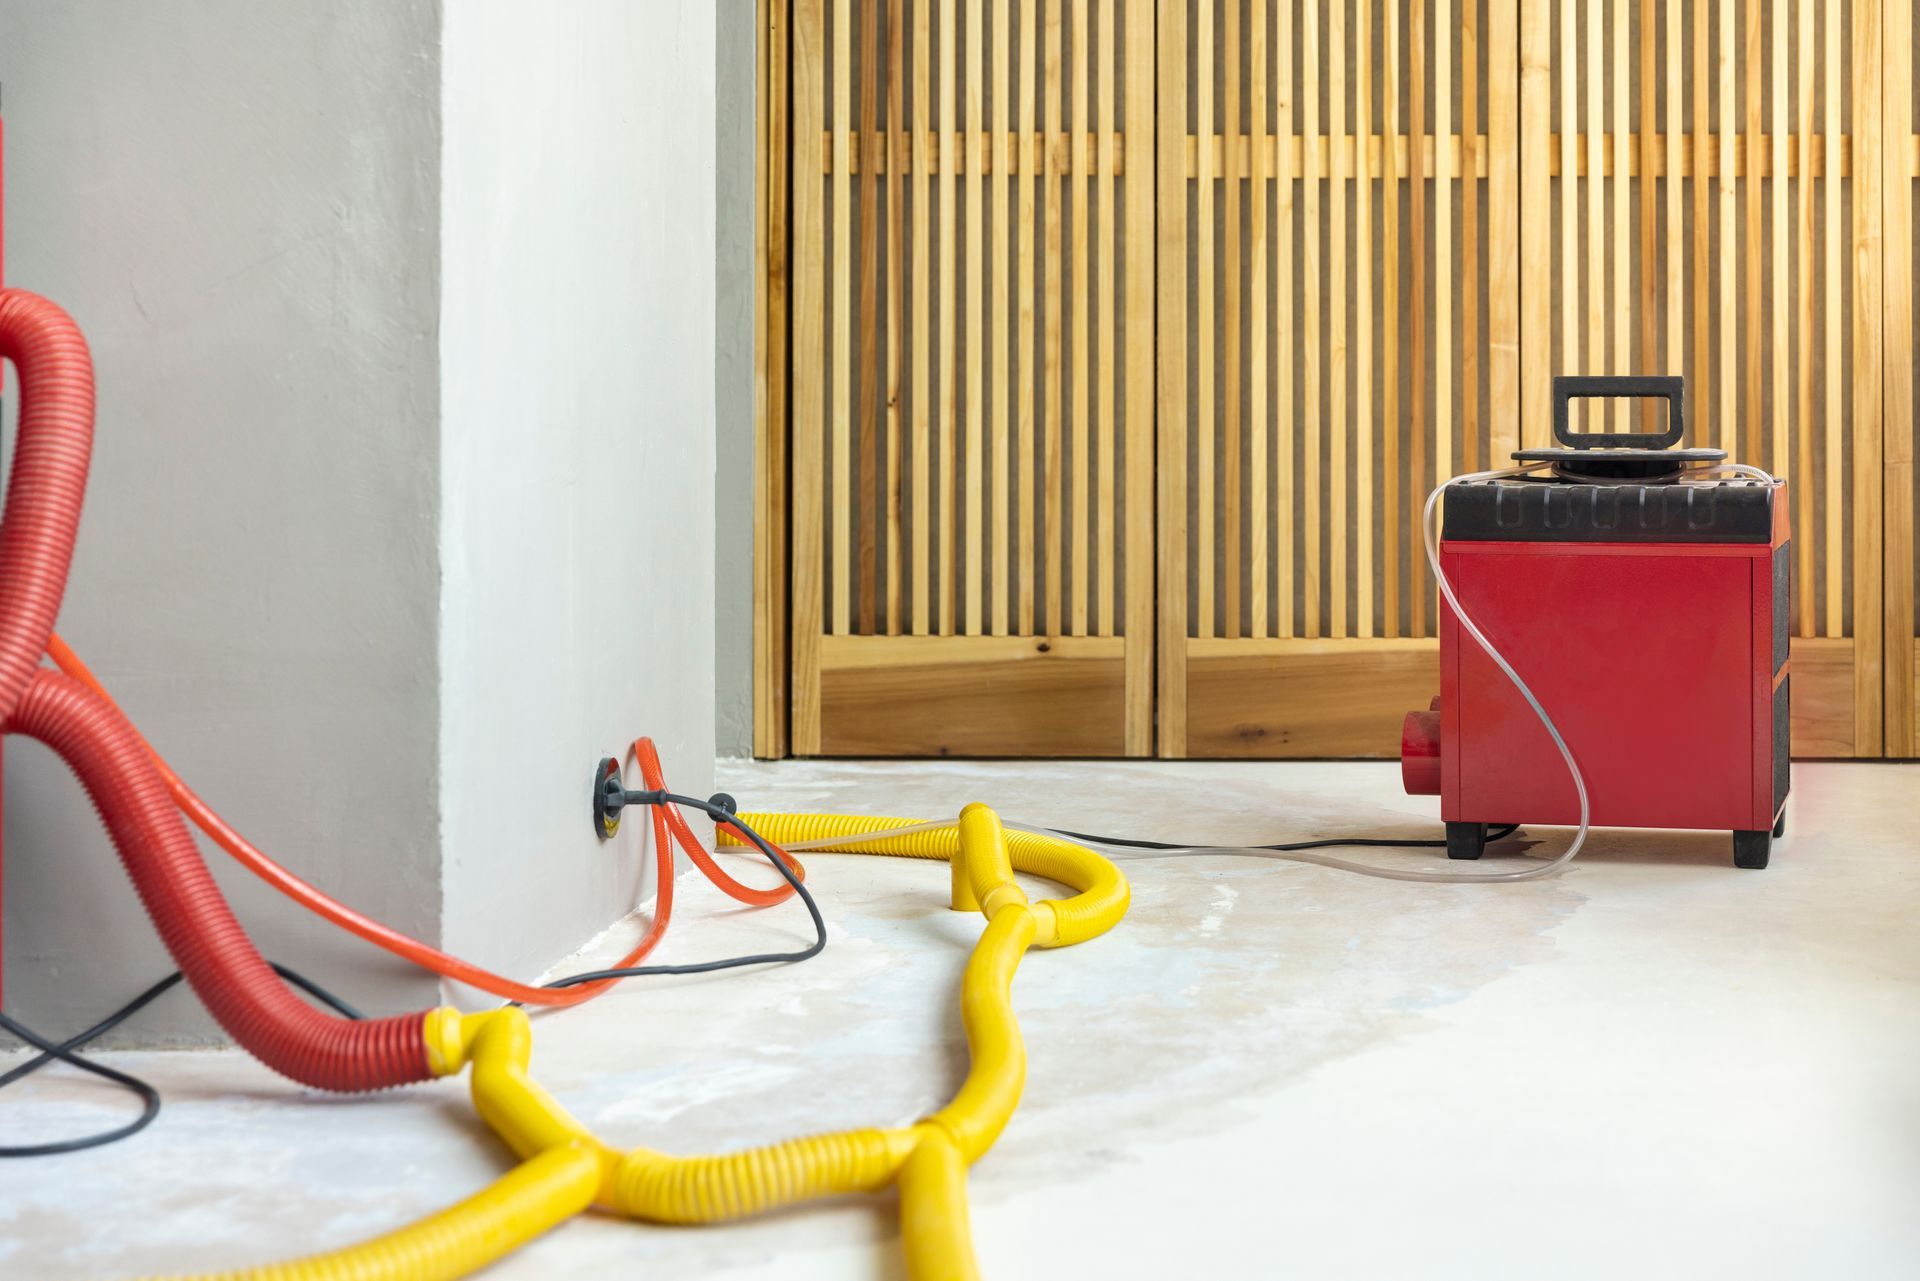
(1112, 346)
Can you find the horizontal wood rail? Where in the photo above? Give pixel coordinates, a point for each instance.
(1023, 154)
(1610, 146)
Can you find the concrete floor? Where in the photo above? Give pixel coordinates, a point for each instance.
(1654, 1065)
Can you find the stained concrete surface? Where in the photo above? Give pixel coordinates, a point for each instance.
(1654, 1065)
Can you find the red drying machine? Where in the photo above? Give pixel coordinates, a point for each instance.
(1647, 609)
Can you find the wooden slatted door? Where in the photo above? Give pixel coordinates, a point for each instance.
(1701, 194)
(970, 355)
(1342, 335)
(1617, 186)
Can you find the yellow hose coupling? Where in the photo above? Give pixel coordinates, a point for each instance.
(446, 1046)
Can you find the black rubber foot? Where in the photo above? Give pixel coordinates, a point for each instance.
(1780, 825)
(1466, 840)
(1750, 849)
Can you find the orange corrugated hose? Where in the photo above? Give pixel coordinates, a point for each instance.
(650, 771)
(666, 818)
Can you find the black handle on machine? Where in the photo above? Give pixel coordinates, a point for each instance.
(1671, 388)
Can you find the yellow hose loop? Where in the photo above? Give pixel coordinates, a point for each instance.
(1097, 908)
(983, 846)
(934, 1223)
(566, 1169)
(535, 1196)
(998, 1071)
(711, 1189)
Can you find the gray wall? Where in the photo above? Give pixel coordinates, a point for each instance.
(239, 202)
(733, 368)
(402, 510)
(578, 448)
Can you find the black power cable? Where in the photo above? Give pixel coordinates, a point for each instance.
(67, 1052)
(1329, 842)
(720, 809)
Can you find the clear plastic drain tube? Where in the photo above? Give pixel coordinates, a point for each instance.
(1429, 534)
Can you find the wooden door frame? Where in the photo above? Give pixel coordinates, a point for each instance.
(1055, 685)
(1901, 669)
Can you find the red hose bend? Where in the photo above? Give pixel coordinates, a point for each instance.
(49, 480)
(208, 944)
(36, 548)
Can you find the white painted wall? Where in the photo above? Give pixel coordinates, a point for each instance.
(577, 450)
(238, 201)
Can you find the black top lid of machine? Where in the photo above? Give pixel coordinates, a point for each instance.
(1619, 456)
(1613, 486)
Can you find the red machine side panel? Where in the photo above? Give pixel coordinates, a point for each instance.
(1642, 653)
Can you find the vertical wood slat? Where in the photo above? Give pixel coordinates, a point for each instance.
(1312, 425)
(1283, 321)
(809, 390)
(974, 277)
(1139, 202)
(1570, 328)
(842, 464)
(896, 227)
(1339, 426)
(1705, 414)
(1728, 415)
(1779, 356)
(1803, 474)
(1081, 470)
(1596, 335)
(1230, 444)
(1469, 235)
(1257, 350)
(1204, 423)
(1536, 353)
(922, 420)
(1023, 365)
(1835, 238)
(1390, 319)
(1622, 257)
(1874, 23)
(1443, 321)
(1676, 261)
(947, 528)
(1417, 248)
(1171, 381)
(1886, 485)
(1650, 360)
(1106, 433)
(1753, 440)
(1003, 151)
(1053, 491)
(1365, 436)
(863, 478)
(1502, 431)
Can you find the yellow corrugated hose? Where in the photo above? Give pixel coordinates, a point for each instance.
(565, 1168)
